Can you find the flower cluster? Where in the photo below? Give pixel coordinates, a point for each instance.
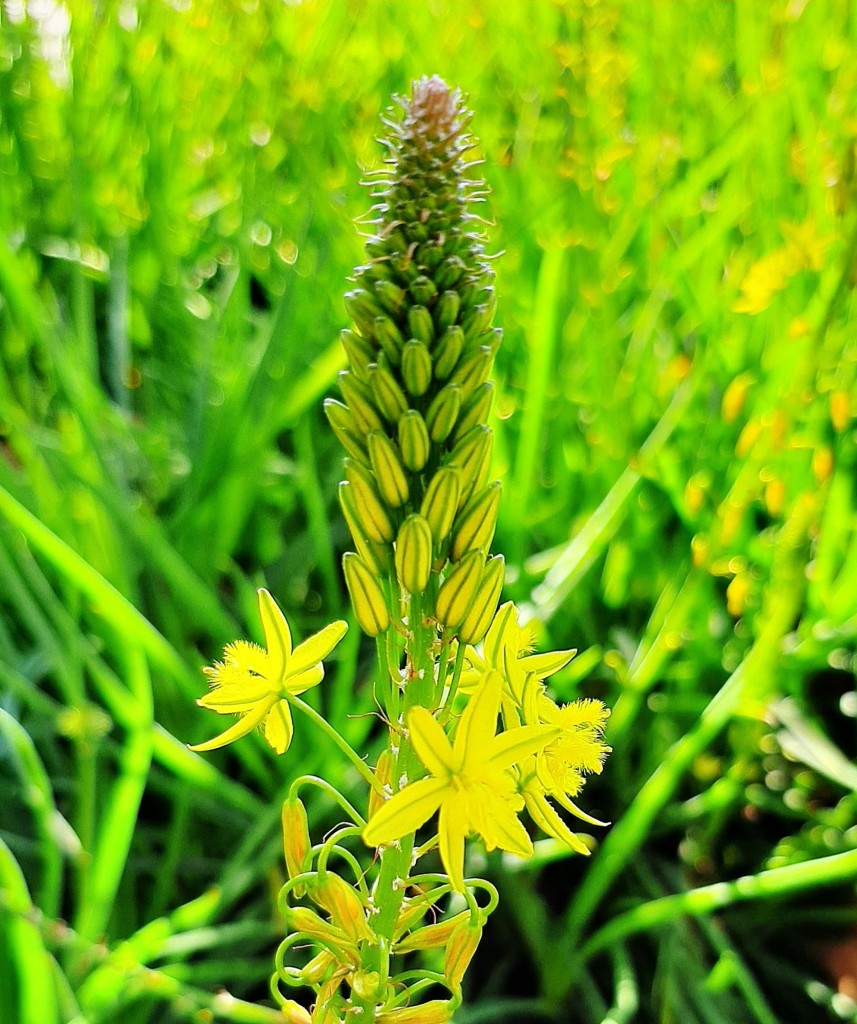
(474, 738)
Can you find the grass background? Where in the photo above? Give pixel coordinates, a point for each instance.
(674, 194)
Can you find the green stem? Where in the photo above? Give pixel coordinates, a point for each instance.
(365, 771)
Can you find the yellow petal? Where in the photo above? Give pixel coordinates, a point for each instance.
(405, 812)
(495, 638)
(478, 724)
(244, 725)
(550, 822)
(430, 743)
(279, 728)
(226, 703)
(507, 832)
(305, 680)
(513, 746)
(572, 807)
(451, 833)
(544, 665)
(317, 647)
(278, 636)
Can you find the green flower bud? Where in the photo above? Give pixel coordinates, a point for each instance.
(389, 338)
(359, 400)
(478, 320)
(440, 502)
(387, 466)
(472, 455)
(450, 273)
(362, 307)
(420, 324)
(476, 410)
(475, 525)
(481, 612)
(414, 441)
(446, 310)
(368, 507)
(416, 367)
(458, 590)
(473, 370)
(413, 554)
(345, 427)
(359, 351)
(423, 289)
(391, 296)
(367, 597)
(448, 351)
(375, 555)
(443, 412)
(387, 393)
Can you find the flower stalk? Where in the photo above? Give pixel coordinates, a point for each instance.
(474, 740)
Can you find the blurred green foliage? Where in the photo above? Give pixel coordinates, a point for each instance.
(674, 196)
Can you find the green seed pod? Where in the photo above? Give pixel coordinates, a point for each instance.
(414, 441)
(443, 412)
(420, 324)
(446, 310)
(481, 613)
(362, 307)
(359, 400)
(473, 370)
(475, 411)
(448, 351)
(367, 597)
(389, 338)
(413, 554)
(387, 466)
(368, 507)
(391, 296)
(423, 289)
(440, 502)
(416, 367)
(345, 427)
(375, 555)
(388, 396)
(475, 526)
(458, 590)
(359, 351)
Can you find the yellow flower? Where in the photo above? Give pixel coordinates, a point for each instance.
(470, 783)
(252, 682)
(578, 751)
(507, 648)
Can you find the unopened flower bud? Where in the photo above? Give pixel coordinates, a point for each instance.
(336, 896)
(435, 1011)
(368, 507)
(474, 527)
(367, 598)
(345, 427)
(358, 397)
(459, 589)
(473, 369)
(374, 554)
(414, 441)
(423, 289)
(448, 351)
(443, 412)
(446, 310)
(359, 351)
(475, 411)
(440, 502)
(387, 393)
(362, 307)
(431, 936)
(413, 555)
(390, 339)
(481, 613)
(450, 273)
(388, 469)
(390, 295)
(420, 324)
(293, 1013)
(416, 367)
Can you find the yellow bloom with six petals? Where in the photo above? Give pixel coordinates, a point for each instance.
(253, 682)
(470, 784)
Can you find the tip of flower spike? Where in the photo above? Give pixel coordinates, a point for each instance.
(435, 108)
